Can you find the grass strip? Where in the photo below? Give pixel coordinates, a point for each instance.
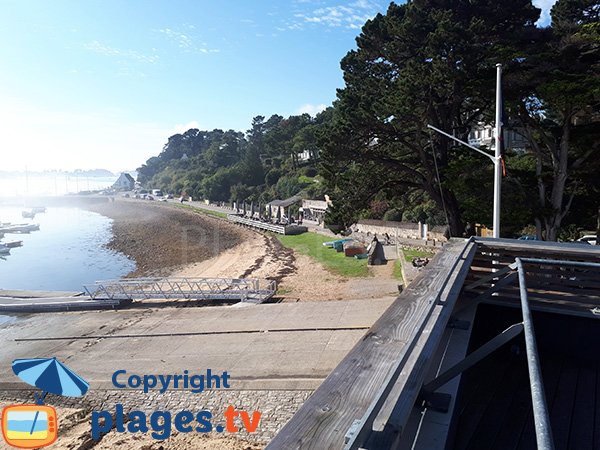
(311, 245)
(410, 253)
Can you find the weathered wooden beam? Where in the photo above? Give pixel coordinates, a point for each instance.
(348, 393)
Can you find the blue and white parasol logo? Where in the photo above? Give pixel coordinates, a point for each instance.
(51, 376)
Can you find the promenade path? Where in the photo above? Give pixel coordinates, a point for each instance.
(269, 346)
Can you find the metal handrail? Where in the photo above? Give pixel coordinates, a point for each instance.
(244, 289)
(540, 410)
(543, 431)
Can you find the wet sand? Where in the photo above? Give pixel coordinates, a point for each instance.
(163, 238)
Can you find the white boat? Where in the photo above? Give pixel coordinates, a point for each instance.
(12, 244)
(38, 209)
(28, 214)
(20, 228)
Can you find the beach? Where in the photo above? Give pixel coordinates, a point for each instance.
(167, 240)
(163, 238)
(277, 353)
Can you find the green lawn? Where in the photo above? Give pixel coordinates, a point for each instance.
(311, 244)
(398, 270)
(410, 253)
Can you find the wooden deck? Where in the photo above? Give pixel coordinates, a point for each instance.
(382, 359)
(383, 374)
(494, 405)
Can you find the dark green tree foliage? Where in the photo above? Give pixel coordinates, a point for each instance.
(425, 62)
(228, 165)
(559, 110)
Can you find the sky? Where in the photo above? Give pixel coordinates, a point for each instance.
(90, 84)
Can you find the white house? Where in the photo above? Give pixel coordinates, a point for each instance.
(484, 135)
(125, 182)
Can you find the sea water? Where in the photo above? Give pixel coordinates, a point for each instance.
(67, 252)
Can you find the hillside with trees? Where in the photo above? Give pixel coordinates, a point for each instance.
(275, 158)
(433, 62)
(428, 62)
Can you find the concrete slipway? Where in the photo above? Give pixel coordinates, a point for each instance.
(267, 346)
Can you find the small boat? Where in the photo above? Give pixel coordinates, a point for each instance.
(28, 214)
(38, 209)
(20, 228)
(4, 250)
(12, 244)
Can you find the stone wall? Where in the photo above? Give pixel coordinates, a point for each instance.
(403, 230)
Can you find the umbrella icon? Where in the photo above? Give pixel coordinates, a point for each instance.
(50, 375)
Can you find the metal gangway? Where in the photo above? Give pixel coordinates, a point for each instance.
(250, 290)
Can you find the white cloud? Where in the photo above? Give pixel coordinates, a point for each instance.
(183, 127)
(351, 16)
(186, 42)
(546, 6)
(311, 109)
(102, 49)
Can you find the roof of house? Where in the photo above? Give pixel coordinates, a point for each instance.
(287, 202)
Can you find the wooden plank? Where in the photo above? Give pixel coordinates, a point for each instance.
(490, 427)
(490, 373)
(347, 393)
(398, 407)
(564, 405)
(585, 252)
(597, 415)
(581, 436)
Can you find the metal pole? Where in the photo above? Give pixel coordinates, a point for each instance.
(543, 432)
(498, 155)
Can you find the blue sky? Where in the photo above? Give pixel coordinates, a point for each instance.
(103, 83)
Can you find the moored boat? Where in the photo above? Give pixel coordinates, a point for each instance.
(12, 244)
(20, 228)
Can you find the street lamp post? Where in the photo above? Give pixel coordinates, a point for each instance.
(497, 157)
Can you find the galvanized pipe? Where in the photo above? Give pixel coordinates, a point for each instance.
(543, 432)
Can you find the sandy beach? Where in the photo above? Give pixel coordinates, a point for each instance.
(165, 240)
(274, 372)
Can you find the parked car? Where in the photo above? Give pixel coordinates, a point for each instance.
(528, 237)
(589, 238)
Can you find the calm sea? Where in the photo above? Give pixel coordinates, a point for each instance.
(50, 184)
(66, 253)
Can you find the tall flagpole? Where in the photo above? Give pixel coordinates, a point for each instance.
(498, 153)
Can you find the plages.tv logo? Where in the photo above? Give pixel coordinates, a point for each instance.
(36, 425)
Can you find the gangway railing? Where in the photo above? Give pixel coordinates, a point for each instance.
(250, 290)
(267, 226)
(543, 430)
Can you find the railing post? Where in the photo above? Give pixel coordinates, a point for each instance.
(543, 432)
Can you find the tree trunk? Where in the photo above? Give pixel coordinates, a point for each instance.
(598, 228)
(454, 220)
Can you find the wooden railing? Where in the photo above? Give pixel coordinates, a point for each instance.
(275, 228)
(394, 352)
(372, 392)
